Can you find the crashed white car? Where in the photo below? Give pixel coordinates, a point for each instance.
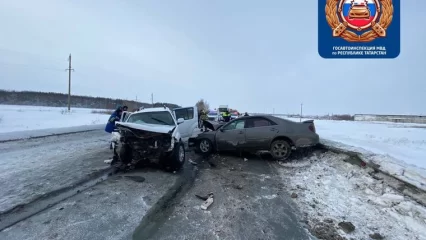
(154, 135)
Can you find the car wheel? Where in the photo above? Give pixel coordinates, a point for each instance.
(125, 154)
(177, 158)
(205, 146)
(280, 149)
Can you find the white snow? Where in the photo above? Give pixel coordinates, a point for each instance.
(327, 187)
(399, 149)
(15, 118)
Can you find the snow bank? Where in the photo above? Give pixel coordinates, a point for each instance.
(10, 136)
(398, 148)
(24, 118)
(329, 188)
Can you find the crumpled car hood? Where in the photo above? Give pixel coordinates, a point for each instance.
(212, 125)
(147, 127)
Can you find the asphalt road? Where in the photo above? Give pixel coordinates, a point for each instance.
(31, 168)
(109, 210)
(249, 197)
(249, 203)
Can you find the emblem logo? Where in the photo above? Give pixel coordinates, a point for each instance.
(359, 20)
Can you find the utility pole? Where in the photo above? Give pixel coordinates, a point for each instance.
(273, 110)
(69, 82)
(301, 111)
(152, 99)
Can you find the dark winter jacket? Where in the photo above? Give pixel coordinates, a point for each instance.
(115, 116)
(203, 116)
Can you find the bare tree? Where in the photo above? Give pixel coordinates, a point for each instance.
(202, 105)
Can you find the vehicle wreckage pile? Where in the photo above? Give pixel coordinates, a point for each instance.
(158, 135)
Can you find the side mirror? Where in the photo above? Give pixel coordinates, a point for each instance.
(180, 120)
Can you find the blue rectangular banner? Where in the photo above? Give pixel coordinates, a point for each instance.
(359, 28)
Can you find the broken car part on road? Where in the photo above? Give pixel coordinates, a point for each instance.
(209, 201)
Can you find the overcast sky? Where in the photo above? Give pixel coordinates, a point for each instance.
(255, 56)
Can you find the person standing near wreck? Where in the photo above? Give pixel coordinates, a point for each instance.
(115, 116)
(203, 117)
(226, 116)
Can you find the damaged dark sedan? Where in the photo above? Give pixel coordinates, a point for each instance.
(256, 133)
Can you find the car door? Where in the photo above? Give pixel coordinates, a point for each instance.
(231, 136)
(124, 116)
(190, 117)
(259, 133)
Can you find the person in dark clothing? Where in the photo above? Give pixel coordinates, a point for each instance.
(115, 116)
(246, 114)
(203, 117)
(125, 109)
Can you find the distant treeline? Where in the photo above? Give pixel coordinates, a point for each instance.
(51, 99)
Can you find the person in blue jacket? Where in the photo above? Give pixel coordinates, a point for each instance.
(115, 116)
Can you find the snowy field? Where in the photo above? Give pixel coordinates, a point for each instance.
(23, 118)
(399, 148)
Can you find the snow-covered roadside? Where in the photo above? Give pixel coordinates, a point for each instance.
(399, 149)
(394, 167)
(331, 191)
(11, 136)
(24, 118)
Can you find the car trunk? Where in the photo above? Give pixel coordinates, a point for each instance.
(310, 124)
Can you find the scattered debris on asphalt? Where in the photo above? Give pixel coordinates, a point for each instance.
(201, 197)
(206, 204)
(326, 230)
(294, 195)
(245, 159)
(239, 187)
(192, 162)
(377, 236)
(108, 161)
(347, 227)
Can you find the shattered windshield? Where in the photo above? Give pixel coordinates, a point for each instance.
(159, 118)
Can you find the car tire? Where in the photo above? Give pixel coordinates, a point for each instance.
(280, 149)
(176, 159)
(205, 146)
(125, 154)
